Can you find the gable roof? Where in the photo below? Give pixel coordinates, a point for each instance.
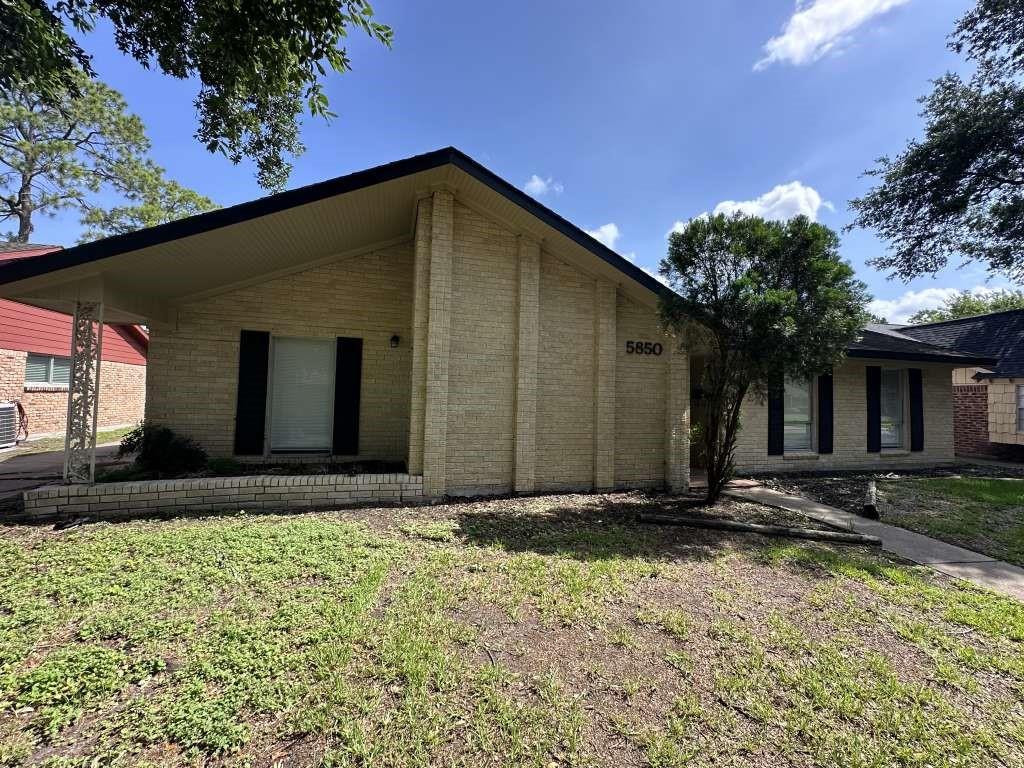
(282, 201)
(999, 335)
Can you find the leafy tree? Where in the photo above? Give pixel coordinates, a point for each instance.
(260, 64)
(959, 191)
(760, 298)
(967, 304)
(69, 157)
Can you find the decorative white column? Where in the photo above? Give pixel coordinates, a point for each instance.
(83, 393)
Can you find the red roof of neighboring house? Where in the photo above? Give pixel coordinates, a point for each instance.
(29, 329)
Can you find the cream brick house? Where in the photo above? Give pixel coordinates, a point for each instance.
(427, 312)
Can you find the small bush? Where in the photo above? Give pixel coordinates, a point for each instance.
(161, 451)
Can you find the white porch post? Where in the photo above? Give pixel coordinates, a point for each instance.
(83, 392)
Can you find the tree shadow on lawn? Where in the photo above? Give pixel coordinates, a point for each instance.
(606, 528)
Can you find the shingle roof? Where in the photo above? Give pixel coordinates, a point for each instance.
(11, 251)
(999, 335)
(888, 342)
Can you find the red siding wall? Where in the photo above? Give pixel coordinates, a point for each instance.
(28, 329)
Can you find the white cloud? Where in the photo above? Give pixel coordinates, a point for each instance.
(820, 26)
(606, 233)
(782, 203)
(900, 309)
(538, 187)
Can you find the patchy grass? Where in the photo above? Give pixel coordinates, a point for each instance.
(982, 514)
(47, 444)
(534, 632)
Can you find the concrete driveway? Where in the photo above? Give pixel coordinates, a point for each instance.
(31, 470)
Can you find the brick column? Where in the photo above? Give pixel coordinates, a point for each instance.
(604, 385)
(526, 365)
(435, 423)
(420, 315)
(677, 419)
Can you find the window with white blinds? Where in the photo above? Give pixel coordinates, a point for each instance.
(798, 416)
(893, 406)
(302, 394)
(47, 369)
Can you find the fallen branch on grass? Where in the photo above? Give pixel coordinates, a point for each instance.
(835, 537)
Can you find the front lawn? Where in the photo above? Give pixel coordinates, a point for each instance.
(982, 514)
(541, 632)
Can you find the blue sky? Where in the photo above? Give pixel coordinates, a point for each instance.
(631, 116)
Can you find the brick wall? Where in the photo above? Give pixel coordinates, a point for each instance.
(565, 377)
(850, 426)
(122, 395)
(970, 420)
(641, 386)
(111, 501)
(194, 363)
(481, 363)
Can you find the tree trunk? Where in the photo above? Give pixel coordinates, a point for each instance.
(24, 214)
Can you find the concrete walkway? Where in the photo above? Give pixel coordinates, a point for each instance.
(946, 558)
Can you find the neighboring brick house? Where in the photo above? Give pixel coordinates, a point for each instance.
(35, 345)
(428, 312)
(988, 401)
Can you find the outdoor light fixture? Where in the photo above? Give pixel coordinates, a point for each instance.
(394, 341)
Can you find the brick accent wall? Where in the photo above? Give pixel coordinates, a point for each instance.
(850, 426)
(122, 395)
(193, 363)
(970, 420)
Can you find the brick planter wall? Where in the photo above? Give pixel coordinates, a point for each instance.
(106, 501)
(970, 420)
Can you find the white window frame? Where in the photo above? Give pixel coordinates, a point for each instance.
(268, 449)
(901, 378)
(812, 417)
(49, 382)
(1020, 408)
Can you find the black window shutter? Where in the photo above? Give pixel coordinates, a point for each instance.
(825, 413)
(251, 405)
(873, 378)
(916, 409)
(347, 379)
(776, 416)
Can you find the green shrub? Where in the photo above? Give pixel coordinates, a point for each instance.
(161, 451)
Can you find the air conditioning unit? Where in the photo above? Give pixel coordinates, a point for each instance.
(8, 425)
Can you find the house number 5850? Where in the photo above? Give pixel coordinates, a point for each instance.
(643, 348)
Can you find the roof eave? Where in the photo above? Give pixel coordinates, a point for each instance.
(921, 357)
(86, 253)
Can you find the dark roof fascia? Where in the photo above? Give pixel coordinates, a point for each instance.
(222, 217)
(922, 357)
